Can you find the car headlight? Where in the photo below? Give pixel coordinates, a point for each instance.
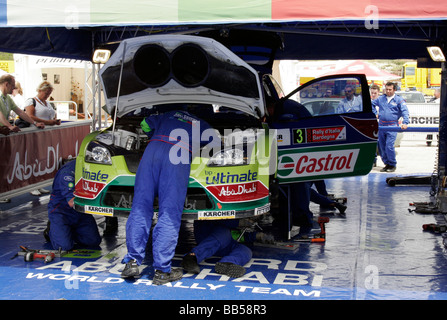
(229, 157)
(97, 153)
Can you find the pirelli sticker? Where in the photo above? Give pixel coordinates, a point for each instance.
(217, 215)
(99, 210)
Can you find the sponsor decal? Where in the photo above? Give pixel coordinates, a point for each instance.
(239, 192)
(99, 210)
(212, 215)
(283, 137)
(317, 163)
(24, 164)
(95, 176)
(312, 135)
(262, 210)
(88, 189)
(222, 177)
(264, 277)
(424, 120)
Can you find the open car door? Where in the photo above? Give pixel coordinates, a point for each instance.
(325, 129)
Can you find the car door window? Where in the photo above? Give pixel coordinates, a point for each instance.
(331, 96)
(326, 129)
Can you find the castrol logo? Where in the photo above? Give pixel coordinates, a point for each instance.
(317, 163)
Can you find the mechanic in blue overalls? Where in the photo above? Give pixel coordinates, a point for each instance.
(68, 227)
(214, 238)
(298, 195)
(164, 171)
(391, 108)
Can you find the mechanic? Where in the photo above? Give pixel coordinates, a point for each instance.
(215, 238)
(321, 197)
(391, 108)
(299, 192)
(68, 227)
(164, 173)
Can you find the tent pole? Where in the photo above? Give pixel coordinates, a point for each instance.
(118, 93)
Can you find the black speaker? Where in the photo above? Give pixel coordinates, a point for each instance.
(152, 65)
(190, 65)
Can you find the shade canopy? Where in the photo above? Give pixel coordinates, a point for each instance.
(363, 67)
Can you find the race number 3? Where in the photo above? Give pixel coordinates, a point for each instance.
(299, 136)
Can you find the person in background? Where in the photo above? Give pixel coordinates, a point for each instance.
(7, 104)
(374, 92)
(39, 109)
(67, 227)
(17, 96)
(391, 108)
(351, 103)
(436, 97)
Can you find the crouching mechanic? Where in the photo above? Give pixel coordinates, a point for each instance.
(175, 139)
(68, 227)
(214, 238)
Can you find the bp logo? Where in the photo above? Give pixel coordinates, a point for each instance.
(285, 166)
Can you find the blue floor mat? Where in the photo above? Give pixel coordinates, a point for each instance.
(377, 251)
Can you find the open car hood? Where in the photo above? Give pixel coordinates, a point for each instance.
(167, 69)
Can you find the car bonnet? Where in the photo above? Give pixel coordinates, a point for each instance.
(168, 69)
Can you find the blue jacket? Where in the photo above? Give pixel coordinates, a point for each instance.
(390, 113)
(167, 128)
(63, 187)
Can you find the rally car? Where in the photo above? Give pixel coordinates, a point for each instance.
(205, 78)
(262, 141)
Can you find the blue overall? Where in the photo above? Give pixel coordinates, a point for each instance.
(214, 239)
(389, 114)
(163, 172)
(68, 226)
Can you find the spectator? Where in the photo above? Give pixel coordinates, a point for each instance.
(351, 103)
(17, 96)
(39, 109)
(7, 104)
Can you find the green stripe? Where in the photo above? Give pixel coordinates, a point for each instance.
(212, 10)
(113, 11)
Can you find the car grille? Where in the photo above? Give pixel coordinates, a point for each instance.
(122, 196)
(132, 161)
